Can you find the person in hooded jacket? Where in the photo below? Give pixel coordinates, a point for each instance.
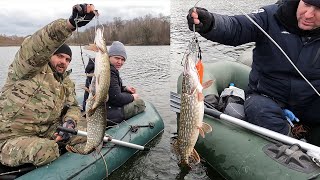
(274, 84)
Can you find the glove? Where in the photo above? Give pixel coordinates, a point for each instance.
(206, 20)
(80, 16)
(68, 124)
(290, 116)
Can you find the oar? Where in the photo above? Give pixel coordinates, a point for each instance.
(105, 139)
(312, 149)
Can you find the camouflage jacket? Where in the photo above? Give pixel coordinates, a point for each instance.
(32, 98)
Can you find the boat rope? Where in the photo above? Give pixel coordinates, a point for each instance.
(26, 169)
(105, 163)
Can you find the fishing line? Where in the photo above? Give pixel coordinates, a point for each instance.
(105, 163)
(76, 20)
(315, 157)
(275, 43)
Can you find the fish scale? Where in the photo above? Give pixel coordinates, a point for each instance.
(191, 115)
(98, 95)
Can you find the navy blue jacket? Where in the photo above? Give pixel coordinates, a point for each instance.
(271, 73)
(118, 97)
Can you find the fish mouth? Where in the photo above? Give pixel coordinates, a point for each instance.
(99, 40)
(189, 65)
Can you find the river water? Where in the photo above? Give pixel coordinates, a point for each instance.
(153, 70)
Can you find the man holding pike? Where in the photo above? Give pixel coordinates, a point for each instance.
(38, 94)
(274, 85)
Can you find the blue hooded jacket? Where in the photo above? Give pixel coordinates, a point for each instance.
(272, 74)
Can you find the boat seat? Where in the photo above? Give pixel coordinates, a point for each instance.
(223, 73)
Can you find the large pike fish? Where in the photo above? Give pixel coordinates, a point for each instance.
(98, 95)
(100, 87)
(191, 124)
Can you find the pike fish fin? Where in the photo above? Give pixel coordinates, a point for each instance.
(207, 84)
(200, 96)
(90, 112)
(206, 127)
(201, 132)
(92, 47)
(85, 88)
(194, 157)
(175, 146)
(90, 74)
(98, 79)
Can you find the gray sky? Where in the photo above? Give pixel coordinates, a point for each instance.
(22, 18)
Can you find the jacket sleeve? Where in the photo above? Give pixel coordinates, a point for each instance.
(116, 96)
(71, 101)
(237, 30)
(36, 50)
(90, 66)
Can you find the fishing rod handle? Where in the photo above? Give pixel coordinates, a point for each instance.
(68, 130)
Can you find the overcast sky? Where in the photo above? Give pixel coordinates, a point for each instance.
(19, 17)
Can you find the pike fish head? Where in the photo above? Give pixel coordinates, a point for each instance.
(191, 79)
(100, 41)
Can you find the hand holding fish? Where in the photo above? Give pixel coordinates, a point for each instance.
(201, 18)
(82, 14)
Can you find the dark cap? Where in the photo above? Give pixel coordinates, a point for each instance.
(64, 49)
(313, 2)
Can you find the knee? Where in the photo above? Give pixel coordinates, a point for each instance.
(46, 152)
(264, 112)
(24, 150)
(140, 104)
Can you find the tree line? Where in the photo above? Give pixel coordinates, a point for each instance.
(147, 30)
(10, 40)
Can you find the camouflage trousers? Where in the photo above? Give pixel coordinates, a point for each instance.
(32, 149)
(133, 108)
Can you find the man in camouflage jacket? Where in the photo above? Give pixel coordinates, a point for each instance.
(37, 88)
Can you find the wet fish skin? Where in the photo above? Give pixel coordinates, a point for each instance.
(101, 73)
(98, 95)
(99, 87)
(96, 126)
(190, 124)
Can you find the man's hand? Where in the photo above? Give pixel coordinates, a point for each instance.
(131, 90)
(201, 18)
(82, 14)
(63, 136)
(135, 96)
(290, 117)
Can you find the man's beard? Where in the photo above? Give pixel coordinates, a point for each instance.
(60, 68)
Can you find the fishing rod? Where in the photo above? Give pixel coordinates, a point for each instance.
(105, 139)
(274, 42)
